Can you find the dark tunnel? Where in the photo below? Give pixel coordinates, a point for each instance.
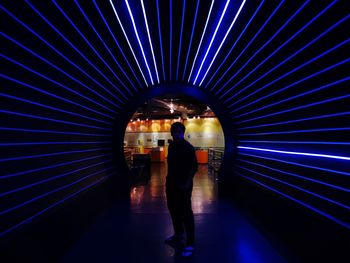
(276, 74)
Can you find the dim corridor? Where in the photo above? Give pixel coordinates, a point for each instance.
(135, 232)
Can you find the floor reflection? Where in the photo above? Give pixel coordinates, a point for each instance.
(135, 232)
(152, 193)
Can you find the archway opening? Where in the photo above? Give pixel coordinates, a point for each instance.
(147, 135)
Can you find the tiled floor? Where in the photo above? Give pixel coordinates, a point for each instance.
(135, 232)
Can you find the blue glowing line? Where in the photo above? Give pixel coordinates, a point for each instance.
(171, 38)
(297, 131)
(211, 41)
(53, 120)
(298, 176)
(299, 142)
(180, 45)
(262, 47)
(51, 154)
(58, 52)
(53, 191)
(248, 45)
(48, 93)
(51, 131)
(52, 108)
(304, 93)
(51, 206)
(200, 42)
(97, 54)
(233, 46)
(223, 40)
(51, 179)
(117, 43)
(189, 46)
(138, 40)
(127, 39)
(297, 120)
(49, 143)
(297, 153)
(52, 166)
(290, 57)
(298, 164)
(296, 187)
(293, 109)
(292, 71)
(149, 39)
(60, 70)
(76, 49)
(299, 202)
(160, 40)
(110, 52)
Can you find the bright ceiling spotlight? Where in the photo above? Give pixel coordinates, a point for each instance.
(171, 106)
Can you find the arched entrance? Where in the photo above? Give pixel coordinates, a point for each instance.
(225, 174)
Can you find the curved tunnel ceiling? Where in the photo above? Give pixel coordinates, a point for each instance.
(69, 69)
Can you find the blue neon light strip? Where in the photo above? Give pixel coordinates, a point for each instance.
(297, 187)
(296, 153)
(52, 178)
(298, 164)
(53, 205)
(297, 120)
(60, 70)
(233, 46)
(171, 38)
(97, 54)
(180, 45)
(293, 109)
(346, 225)
(53, 191)
(53, 120)
(52, 131)
(297, 131)
(50, 143)
(149, 39)
(110, 52)
(138, 40)
(52, 166)
(160, 40)
(211, 41)
(223, 40)
(76, 49)
(290, 57)
(51, 154)
(304, 93)
(292, 71)
(58, 52)
(52, 95)
(52, 108)
(200, 42)
(299, 142)
(298, 176)
(117, 43)
(246, 47)
(127, 39)
(261, 48)
(189, 45)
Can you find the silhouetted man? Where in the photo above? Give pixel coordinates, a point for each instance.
(182, 166)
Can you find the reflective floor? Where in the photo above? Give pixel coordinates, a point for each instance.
(135, 232)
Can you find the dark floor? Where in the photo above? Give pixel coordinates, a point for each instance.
(135, 233)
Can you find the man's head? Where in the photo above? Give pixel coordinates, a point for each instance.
(177, 130)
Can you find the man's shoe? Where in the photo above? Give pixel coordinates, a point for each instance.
(174, 239)
(188, 251)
